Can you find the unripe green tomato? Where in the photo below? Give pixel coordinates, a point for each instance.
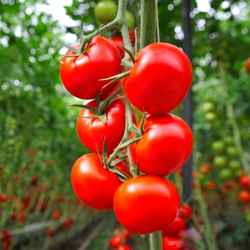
(207, 107)
(220, 161)
(105, 11)
(234, 164)
(130, 19)
(226, 174)
(210, 116)
(218, 146)
(232, 151)
(229, 140)
(247, 217)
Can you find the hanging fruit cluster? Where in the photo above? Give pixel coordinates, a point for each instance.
(120, 240)
(125, 121)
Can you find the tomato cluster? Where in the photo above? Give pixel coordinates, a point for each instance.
(134, 141)
(120, 240)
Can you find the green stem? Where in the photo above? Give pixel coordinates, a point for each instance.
(118, 21)
(233, 121)
(148, 31)
(203, 210)
(157, 23)
(148, 22)
(155, 241)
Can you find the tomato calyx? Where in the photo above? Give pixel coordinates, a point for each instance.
(116, 77)
(121, 146)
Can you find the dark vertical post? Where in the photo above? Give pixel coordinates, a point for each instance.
(187, 45)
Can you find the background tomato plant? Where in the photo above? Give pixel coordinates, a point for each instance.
(37, 135)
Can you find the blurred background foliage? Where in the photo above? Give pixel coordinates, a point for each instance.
(38, 141)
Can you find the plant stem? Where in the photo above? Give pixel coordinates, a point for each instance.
(148, 22)
(155, 241)
(148, 31)
(233, 121)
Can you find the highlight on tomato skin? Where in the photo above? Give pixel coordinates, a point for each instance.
(145, 204)
(161, 72)
(92, 183)
(78, 73)
(165, 146)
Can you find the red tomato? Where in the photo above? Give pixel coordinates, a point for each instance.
(159, 79)
(247, 65)
(172, 243)
(245, 181)
(176, 227)
(185, 212)
(244, 196)
(118, 41)
(146, 204)
(131, 34)
(124, 247)
(81, 74)
(68, 223)
(56, 215)
(165, 145)
(107, 129)
(92, 183)
(3, 198)
(115, 241)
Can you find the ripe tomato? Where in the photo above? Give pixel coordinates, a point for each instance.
(146, 204)
(105, 11)
(68, 223)
(3, 198)
(115, 241)
(118, 41)
(159, 79)
(176, 227)
(124, 247)
(244, 196)
(247, 65)
(107, 129)
(185, 212)
(56, 215)
(172, 243)
(81, 74)
(92, 183)
(245, 181)
(165, 145)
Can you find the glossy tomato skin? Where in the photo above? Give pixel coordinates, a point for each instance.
(115, 241)
(176, 227)
(92, 183)
(172, 243)
(165, 145)
(146, 204)
(245, 181)
(118, 41)
(159, 79)
(185, 212)
(108, 129)
(81, 74)
(124, 247)
(244, 196)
